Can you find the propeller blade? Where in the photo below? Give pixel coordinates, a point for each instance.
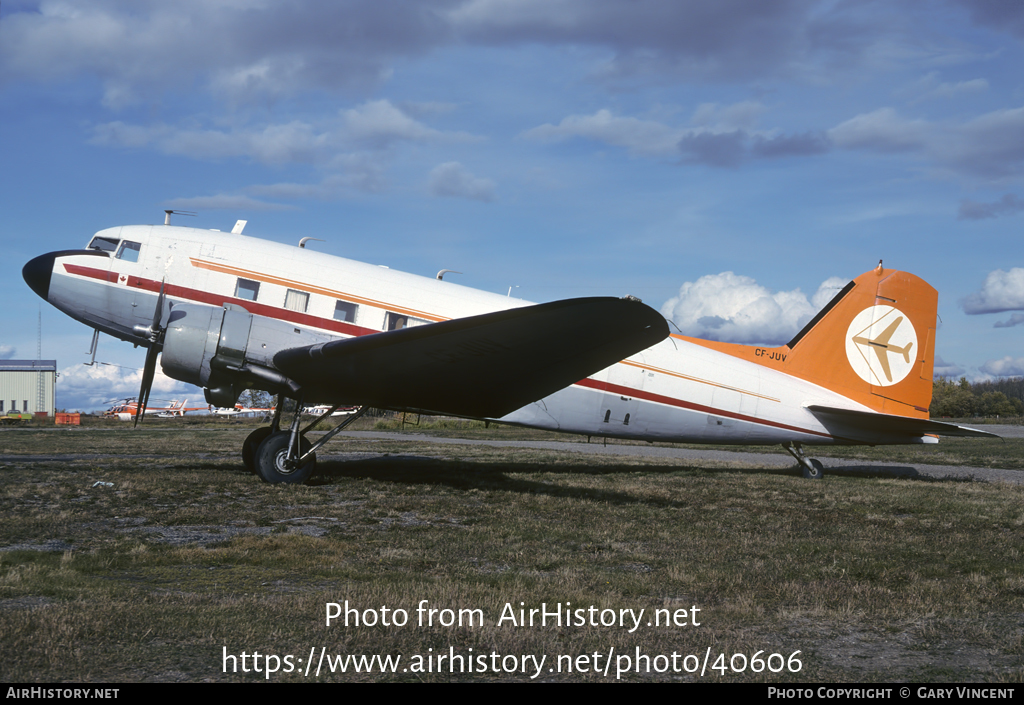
(156, 339)
(148, 373)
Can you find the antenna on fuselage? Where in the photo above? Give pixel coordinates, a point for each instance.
(303, 241)
(167, 215)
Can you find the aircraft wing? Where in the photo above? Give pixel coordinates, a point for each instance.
(859, 424)
(482, 366)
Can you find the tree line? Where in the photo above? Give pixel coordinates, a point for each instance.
(961, 399)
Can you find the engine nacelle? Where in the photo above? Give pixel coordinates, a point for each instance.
(228, 350)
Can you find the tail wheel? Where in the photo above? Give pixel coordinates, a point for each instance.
(274, 466)
(251, 445)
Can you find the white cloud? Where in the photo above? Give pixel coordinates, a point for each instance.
(371, 127)
(1006, 367)
(91, 387)
(641, 137)
(930, 87)
(723, 136)
(882, 130)
(1002, 291)
(733, 308)
(453, 179)
(990, 146)
(6, 352)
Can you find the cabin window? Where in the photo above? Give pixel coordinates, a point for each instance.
(625, 421)
(397, 321)
(607, 415)
(129, 251)
(345, 311)
(296, 300)
(247, 289)
(103, 244)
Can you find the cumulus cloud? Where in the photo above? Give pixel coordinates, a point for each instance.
(734, 308)
(453, 179)
(90, 387)
(1001, 291)
(1009, 204)
(6, 352)
(1006, 367)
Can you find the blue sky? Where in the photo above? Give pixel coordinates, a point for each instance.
(715, 159)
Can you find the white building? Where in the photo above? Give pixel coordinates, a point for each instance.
(27, 386)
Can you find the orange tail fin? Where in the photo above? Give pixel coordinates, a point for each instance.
(874, 343)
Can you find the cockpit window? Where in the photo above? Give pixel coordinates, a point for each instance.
(103, 244)
(129, 251)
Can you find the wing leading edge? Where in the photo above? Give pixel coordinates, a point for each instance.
(482, 366)
(864, 425)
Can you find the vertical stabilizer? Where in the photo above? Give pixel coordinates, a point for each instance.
(874, 342)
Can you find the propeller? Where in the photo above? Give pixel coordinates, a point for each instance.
(155, 334)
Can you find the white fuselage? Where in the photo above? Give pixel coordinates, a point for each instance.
(673, 391)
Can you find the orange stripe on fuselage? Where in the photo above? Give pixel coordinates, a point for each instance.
(302, 286)
(696, 379)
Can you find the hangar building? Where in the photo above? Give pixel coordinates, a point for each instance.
(27, 386)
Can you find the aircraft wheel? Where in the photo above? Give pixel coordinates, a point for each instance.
(251, 445)
(273, 466)
(813, 469)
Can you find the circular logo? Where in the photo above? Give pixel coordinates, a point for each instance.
(881, 345)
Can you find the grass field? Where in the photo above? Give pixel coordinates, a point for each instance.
(184, 558)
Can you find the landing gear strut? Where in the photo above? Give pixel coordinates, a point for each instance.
(812, 467)
(286, 456)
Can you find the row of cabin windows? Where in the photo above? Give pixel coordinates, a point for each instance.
(343, 310)
(14, 405)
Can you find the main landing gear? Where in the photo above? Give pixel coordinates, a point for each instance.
(812, 467)
(287, 456)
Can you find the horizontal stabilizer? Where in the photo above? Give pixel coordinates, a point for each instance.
(847, 422)
(482, 366)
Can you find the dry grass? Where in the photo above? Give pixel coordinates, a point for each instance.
(186, 555)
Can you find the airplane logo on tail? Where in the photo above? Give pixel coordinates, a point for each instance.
(880, 344)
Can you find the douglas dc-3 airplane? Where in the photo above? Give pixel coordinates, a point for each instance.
(230, 312)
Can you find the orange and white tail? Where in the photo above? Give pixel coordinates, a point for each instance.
(874, 343)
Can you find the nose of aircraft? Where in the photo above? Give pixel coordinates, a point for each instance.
(37, 273)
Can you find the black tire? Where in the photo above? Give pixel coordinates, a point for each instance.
(271, 464)
(251, 445)
(813, 469)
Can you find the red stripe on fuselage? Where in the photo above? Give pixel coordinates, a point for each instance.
(670, 401)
